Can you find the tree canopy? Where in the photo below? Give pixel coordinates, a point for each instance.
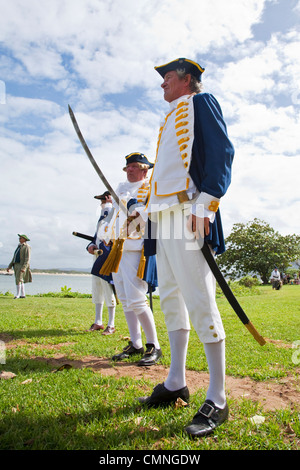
(256, 248)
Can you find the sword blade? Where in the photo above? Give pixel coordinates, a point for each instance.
(93, 161)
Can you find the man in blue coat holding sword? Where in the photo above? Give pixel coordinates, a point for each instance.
(191, 174)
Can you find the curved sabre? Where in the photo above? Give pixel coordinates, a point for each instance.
(229, 294)
(93, 161)
(205, 248)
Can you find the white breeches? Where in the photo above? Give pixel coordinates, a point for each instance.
(102, 291)
(131, 290)
(186, 283)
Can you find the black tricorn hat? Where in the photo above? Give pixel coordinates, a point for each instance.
(103, 196)
(138, 157)
(189, 66)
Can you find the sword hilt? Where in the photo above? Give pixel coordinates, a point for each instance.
(255, 333)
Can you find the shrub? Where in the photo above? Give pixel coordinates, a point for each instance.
(249, 281)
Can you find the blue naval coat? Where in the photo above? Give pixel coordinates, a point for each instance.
(212, 157)
(101, 259)
(211, 161)
(150, 272)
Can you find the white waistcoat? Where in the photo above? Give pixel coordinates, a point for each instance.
(114, 228)
(174, 149)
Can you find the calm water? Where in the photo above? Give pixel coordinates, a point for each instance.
(44, 283)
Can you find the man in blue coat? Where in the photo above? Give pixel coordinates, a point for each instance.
(191, 174)
(102, 286)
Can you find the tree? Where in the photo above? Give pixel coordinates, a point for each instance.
(255, 248)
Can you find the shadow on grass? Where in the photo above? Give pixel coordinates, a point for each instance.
(99, 428)
(108, 417)
(11, 335)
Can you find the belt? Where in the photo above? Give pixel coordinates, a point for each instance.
(182, 197)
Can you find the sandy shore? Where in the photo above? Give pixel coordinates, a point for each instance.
(58, 273)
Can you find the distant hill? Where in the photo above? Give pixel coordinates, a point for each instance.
(62, 270)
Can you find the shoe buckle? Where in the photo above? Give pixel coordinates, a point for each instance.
(206, 410)
(149, 350)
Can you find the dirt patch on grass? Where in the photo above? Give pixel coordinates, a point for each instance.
(272, 394)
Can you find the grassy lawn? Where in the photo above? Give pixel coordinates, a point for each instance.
(82, 409)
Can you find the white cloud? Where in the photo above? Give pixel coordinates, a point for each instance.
(105, 42)
(264, 187)
(99, 57)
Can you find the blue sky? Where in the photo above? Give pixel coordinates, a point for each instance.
(99, 57)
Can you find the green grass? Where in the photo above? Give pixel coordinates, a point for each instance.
(81, 409)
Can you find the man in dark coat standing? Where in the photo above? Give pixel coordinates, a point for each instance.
(21, 265)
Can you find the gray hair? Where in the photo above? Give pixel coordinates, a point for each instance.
(195, 86)
(142, 166)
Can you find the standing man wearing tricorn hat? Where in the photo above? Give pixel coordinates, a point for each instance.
(21, 265)
(127, 262)
(102, 286)
(192, 172)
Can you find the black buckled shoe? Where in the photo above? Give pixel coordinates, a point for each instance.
(129, 350)
(151, 356)
(162, 396)
(208, 417)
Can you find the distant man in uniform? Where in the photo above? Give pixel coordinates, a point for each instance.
(128, 275)
(21, 265)
(102, 286)
(192, 172)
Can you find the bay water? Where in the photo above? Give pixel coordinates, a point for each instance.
(44, 283)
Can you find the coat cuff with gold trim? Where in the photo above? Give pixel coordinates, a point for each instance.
(209, 202)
